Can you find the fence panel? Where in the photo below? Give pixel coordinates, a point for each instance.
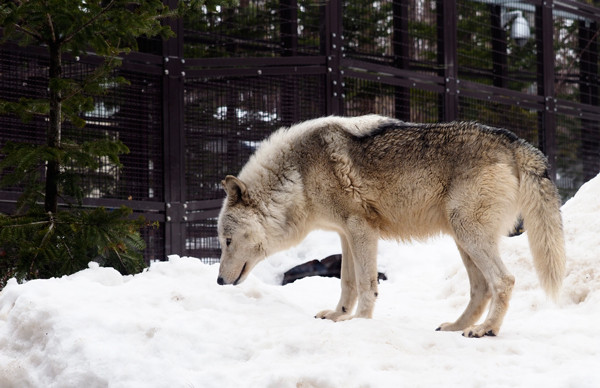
(497, 45)
(226, 117)
(366, 96)
(129, 112)
(255, 28)
(522, 121)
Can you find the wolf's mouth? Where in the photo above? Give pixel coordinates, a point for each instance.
(241, 274)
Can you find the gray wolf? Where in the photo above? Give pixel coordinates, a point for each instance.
(373, 177)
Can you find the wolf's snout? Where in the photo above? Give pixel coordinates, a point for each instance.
(224, 278)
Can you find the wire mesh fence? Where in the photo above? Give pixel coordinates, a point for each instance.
(227, 117)
(197, 106)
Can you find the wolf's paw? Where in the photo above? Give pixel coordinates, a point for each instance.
(479, 331)
(449, 326)
(335, 316)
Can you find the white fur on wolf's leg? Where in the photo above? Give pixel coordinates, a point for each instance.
(336, 316)
(348, 282)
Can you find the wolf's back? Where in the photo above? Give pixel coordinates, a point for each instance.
(540, 207)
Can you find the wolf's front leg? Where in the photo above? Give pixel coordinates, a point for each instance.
(361, 243)
(343, 311)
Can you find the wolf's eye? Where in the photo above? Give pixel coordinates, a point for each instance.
(228, 241)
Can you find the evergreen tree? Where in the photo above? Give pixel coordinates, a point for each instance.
(42, 241)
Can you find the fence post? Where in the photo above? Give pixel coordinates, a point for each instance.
(174, 138)
(544, 31)
(447, 57)
(400, 45)
(331, 47)
(499, 47)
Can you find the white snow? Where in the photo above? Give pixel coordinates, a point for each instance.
(173, 326)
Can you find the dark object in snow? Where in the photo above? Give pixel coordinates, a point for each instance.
(330, 266)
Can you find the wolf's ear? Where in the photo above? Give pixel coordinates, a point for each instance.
(236, 189)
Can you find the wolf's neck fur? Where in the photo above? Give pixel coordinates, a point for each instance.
(273, 177)
(275, 184)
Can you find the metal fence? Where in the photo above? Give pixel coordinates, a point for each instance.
(197, 105)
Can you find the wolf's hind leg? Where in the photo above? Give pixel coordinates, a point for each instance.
(348, 297)
(480, 296)
(501, 283)
(483, 251)
(481, 208)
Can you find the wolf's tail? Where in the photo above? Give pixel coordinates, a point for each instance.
(540, 207)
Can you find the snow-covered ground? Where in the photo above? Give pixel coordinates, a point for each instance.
(173, 326)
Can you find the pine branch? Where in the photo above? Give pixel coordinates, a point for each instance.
(68, 251)
(25, 225)
(70, 37)
(114, 249)
(43, 243)
(34, 34)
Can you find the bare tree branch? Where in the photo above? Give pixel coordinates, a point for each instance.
(34, 34)
(51, 25)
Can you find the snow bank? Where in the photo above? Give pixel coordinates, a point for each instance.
(173, 326)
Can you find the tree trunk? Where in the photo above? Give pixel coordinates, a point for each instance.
(54, 129)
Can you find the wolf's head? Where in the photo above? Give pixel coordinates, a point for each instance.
(241, 233)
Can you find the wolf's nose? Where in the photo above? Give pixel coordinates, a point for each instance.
(220, 281)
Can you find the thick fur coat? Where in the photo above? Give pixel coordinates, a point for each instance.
(373, 177)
